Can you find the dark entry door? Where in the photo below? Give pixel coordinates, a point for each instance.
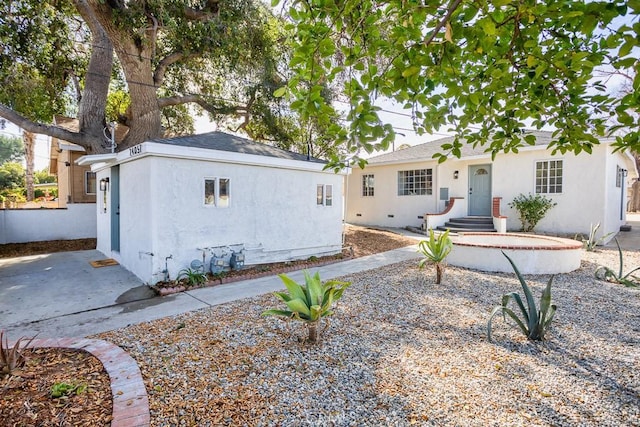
(115, 208)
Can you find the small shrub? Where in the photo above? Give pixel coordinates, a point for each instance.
(629, 280)
(65, 389)
(11, 358)
(193, 277)
(532, 209)
(308, 303)
(435, 250)
(534, 322)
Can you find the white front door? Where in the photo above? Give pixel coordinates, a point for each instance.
(480, 190)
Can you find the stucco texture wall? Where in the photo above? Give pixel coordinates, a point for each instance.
(272, 212)
(588, 196)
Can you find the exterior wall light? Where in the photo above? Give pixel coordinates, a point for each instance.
(455, 175)
(104, 184)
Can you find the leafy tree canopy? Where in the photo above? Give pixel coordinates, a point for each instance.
(11, 149)
(482, 69)
(225, 57)
(11, 176)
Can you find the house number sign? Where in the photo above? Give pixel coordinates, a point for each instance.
(136, 149)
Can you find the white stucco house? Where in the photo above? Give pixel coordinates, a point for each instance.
(167, 202)
(409, 188)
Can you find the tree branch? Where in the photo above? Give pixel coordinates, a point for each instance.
(161, 69)
(452, 8)
(197, 99)
(212, 8)
(41, 129)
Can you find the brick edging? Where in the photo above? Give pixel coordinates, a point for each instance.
(130, 401)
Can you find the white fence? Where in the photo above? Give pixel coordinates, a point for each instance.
(76, 221)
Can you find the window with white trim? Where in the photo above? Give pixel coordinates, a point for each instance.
(217, 192)
(367, 185)
(418, 182)
(549, 177)
(324, 195)
(90, 182)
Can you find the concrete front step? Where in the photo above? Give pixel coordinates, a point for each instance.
(466, 230)
(478, 224)
(473, 220)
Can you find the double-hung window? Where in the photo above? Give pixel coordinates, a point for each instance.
(418, 182)
(324, 195)
(367, 185)
(549, 177)
(217, 192)
(90, 182)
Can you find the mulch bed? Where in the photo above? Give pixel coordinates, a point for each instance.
(11, 250)
(25, 398)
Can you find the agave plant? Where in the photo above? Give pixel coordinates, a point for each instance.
(534, 322)
(11, 358)
(629, 280)
(435, 250)
(309, 303)
(591, 243)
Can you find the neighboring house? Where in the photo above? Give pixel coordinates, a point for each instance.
(166, 202)
(404, 188)
(76, 183)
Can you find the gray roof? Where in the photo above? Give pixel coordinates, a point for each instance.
(426, 150)
(226, 142)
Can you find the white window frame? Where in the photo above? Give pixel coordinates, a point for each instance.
(216, 201)
(404, 191)
(546, 184)
(368, 185)
(86, 182)
(324, 195)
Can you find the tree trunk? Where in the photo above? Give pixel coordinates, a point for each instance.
(92, 105)
(135, 52)
(313, 331)
(439, 272)
(29, 151)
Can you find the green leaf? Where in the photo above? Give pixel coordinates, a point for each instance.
(294, 288)
(299, 306)
(410, 71)
(279, 93)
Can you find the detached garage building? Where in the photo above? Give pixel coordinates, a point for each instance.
(168, 201)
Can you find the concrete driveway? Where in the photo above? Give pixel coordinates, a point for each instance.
(41, 287)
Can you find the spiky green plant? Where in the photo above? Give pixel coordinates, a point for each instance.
(309, 303)
(435, 250)
(534, 323)
(591, 243)
(11, 358)
(194, 277)
(629, 280)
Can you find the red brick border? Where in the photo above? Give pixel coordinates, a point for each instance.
(130, 401)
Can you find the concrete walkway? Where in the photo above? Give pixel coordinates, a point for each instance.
(26, 317)
(61, 295)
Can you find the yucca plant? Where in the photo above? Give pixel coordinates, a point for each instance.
(309, 303)
(629, 280)
(534, 323)
(11, 358)
(435, 250)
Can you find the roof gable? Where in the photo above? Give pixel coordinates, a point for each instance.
(222, 141)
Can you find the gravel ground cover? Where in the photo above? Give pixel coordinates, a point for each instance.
(402, 351)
